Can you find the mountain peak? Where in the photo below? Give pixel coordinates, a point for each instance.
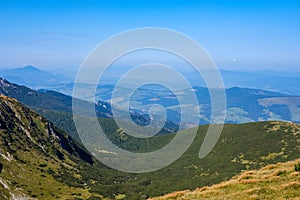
(23, 76)
(30, 67)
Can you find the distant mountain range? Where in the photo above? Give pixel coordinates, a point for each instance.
(243, 104)
(33, 77)
(277, 81)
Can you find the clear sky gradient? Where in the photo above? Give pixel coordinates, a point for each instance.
(239, 35)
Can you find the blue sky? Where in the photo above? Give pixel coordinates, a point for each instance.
(242, 35)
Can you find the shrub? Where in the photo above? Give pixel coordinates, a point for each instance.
(43, 165)
(281, 173)
(297, 167)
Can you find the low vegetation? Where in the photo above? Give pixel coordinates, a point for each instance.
(297, 167)
(276, 181)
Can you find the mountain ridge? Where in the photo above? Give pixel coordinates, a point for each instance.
(33, 149)
(52, 101)
(277, 81)
(41, 78)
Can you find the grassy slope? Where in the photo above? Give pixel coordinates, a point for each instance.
(275, 181)
(28, 154)
(241, 147)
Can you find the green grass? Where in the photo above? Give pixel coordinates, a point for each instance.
(240, 147)
(30, 165)
(36, 181)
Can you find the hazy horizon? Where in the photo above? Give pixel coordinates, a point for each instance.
(71, 70)
(238, 35)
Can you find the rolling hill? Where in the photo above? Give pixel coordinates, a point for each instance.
(33, 149)
(243, 104)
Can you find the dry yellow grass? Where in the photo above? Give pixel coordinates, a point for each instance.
(276, 181)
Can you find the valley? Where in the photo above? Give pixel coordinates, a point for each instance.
(60, 162)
